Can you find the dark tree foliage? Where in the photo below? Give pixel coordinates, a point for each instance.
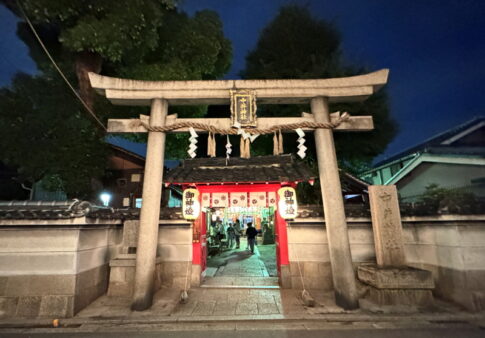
(296, 45)
(46, 136)
(141, 39)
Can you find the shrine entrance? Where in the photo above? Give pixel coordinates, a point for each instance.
(234, 193)
(223, 250)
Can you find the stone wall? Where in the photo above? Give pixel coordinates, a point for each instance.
(174, 257)
(53, 270)
(309, 255)
(452, 247)
(454, 251)
(175, 251)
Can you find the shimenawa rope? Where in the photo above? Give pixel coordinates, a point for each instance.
(233, 131)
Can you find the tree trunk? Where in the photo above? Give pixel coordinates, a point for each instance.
(87, 62)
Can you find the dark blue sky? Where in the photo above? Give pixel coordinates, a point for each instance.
(434, 49)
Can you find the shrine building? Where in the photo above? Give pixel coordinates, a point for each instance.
(245, 190)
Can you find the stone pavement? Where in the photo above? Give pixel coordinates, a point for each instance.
(238, 268)
(241, 263)
(234, 309)
(216, 302)
(240, 303)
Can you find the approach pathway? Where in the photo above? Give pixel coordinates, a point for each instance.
(239, 268)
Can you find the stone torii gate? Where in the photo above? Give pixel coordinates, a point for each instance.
(318, 92)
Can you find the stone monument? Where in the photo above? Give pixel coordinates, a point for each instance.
(391, 281)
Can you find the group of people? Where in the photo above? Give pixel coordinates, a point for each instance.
(234, 233)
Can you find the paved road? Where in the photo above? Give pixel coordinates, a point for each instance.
(303, 329)
(339, 333)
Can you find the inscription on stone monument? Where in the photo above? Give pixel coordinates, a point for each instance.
(386, 223)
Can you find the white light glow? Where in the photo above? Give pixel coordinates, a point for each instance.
(105, 198)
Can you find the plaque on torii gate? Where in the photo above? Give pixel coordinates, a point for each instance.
(318, 92)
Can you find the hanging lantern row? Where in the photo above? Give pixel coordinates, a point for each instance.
(287, 205)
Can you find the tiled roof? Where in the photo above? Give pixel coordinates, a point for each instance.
(434, 141)
(134, 213)
(352, 184)
(44, 210)
(41, 210)
(351, 210)
(282, 168)
(453, 150)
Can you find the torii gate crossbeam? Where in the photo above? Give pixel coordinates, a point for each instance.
(318, 92)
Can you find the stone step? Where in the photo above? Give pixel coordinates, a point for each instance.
(241, 282)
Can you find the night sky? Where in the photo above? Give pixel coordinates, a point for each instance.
(435, 50)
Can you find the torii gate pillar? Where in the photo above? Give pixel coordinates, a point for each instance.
(150, 210)
(333, 206)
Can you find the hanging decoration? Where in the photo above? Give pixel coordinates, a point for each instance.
(193, 142)
(238, 199)
(271, 199)
(206, 200)
(278, 143)
(244, 147)
(248, 135)
(257, 199)
(238, 130)
(301, 140)
(220, 199)
(287, 205)
(190, 204)
(211, 145)
(228, 149)
(275, 144)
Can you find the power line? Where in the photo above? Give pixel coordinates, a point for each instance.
(57, 67)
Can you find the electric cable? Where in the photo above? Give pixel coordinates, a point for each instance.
(57, 67)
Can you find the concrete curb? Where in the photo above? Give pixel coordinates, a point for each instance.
(77, 322)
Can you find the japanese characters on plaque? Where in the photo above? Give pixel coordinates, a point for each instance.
(243, 108)
(386, 223)
(287, 205)
(190, 204)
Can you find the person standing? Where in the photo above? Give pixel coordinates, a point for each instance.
(219, 228)
(237, 233)
(251, 234)
(231, 235)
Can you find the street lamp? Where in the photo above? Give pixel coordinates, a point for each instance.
(105, 198)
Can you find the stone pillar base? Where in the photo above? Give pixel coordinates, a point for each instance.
(122, 275)
(285, 277)
(397, 286)
(409, 297)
